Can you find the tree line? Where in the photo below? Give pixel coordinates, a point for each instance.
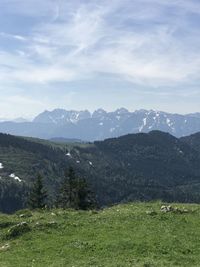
(74, 192)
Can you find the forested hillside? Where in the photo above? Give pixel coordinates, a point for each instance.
(143, 167)
(132, 167)
(193, 140)
(21, 161)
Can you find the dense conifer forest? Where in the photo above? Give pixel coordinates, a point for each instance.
(132, 167)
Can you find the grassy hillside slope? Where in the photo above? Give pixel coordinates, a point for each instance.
(134, 234)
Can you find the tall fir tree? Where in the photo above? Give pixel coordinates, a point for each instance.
(74, 193)
(67, 194)
(38, 194)
(86, 198)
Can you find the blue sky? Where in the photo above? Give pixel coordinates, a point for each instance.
(80, 54)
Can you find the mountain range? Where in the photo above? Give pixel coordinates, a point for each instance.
(99, 125)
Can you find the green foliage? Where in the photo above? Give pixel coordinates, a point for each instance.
(140, 167)
(5, 224)
(86, 198)
(12, 195)
(25, 158)
(18, 230)
(74, 192)
(25, 213)
(38, 195)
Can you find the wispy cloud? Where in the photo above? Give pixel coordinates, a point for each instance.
(141, 47)
(12, 36)
(148, 43)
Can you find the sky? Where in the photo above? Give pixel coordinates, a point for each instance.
(89, 54)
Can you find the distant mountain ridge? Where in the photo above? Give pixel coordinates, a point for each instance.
(101, 124)
(62, 116)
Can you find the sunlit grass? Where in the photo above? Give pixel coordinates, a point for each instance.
(123, 235)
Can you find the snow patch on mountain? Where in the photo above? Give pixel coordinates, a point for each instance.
(68, 154)
(12, 175)
(112, 130)
(87, 126)
(62, 117)
(143, 125)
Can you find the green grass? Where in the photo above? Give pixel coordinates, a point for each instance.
(124, 235)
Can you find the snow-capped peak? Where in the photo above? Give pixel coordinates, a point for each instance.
(121, 111)
(61, 116)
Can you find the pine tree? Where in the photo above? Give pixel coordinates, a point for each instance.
(74, 193)
(86, 197)
(68, 195)
(38, 194)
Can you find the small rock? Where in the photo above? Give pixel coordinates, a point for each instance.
(173, 209)
(5, 247)
(24, 213)
(166, 208)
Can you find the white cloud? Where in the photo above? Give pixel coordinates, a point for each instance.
(92, 40)
(149, 43)
(14, 105)
(12, 36)
(44, 75)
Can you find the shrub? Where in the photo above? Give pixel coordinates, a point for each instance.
(6, 224)
(24, 213)
(18, 230)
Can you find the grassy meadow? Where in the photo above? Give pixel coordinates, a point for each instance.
(135, 234)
